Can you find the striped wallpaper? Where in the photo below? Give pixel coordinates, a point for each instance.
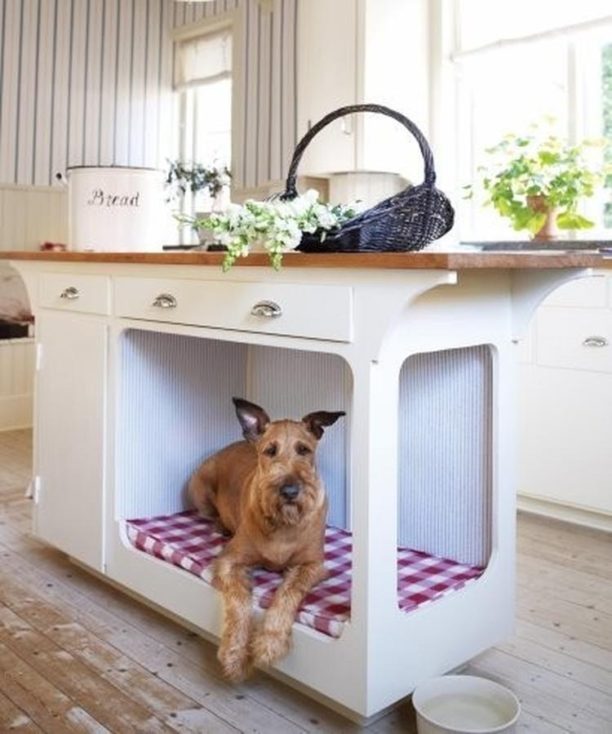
(445, 449)
(88, 82)
(82, 82)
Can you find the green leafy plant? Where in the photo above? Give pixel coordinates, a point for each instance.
(532, 175)
(182, 177)
(273, 226)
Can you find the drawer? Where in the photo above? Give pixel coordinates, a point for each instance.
(84, 293)
(575, 338)
(315, 311)
(582, 293)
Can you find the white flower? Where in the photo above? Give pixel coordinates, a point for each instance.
(278, 225)
(327, 220)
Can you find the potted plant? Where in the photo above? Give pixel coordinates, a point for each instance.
(538, 182)
(196, 177)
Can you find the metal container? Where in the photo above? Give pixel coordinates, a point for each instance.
(115, 209)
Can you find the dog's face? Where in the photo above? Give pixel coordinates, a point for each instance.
(287, 482)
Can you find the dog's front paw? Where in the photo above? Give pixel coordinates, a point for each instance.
(235, 662)
(269, 646)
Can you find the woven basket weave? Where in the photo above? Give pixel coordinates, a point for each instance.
(404, 222)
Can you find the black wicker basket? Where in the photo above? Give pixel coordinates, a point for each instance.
(406, 221)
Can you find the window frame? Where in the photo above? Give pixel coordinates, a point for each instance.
(232, 21)
(450, 101)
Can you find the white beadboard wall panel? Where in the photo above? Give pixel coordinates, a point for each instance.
(175, 410)
(84, 82)
(16, 381)
(445, 473)
(31, 215)
(289, 384)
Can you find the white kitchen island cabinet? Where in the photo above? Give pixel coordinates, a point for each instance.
(139, 356)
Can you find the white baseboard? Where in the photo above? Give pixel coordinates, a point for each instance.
(568, 513)
(15, 412)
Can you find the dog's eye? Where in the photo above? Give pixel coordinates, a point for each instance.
(270, 450)
(302, 449)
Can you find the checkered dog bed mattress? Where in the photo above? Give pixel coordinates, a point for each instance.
(192, 543)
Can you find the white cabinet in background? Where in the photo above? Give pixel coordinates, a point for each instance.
(565, 461)
(69, 434)
(354, 52)
(327, 79)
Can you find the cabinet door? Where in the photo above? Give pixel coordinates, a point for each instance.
(69, 435)
(564, 437)
(326, 80)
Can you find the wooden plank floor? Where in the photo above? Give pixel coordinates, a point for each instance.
(79, 656)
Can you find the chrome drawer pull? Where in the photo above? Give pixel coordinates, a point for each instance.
(70, 294)
(165, 300)
(595, 341)
(267, 309)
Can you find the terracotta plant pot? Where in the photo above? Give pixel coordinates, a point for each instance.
(548, 231)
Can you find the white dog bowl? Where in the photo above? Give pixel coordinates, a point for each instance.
(464, 704)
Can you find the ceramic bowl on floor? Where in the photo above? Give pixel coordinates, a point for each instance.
(464, 704)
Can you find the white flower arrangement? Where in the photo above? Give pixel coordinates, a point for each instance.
(276, 226)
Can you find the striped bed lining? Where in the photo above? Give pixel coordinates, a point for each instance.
(190, 542)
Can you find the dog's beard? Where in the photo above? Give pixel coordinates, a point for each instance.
(281, 512)
(290, 512)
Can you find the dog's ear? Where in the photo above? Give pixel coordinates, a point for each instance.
(253, 419)
(315, 421)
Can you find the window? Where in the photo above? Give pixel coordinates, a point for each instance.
(204, 81)
(522, 63)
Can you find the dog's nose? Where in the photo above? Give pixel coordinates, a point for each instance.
(289, 491)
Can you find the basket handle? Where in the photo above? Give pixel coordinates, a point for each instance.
(430, 174)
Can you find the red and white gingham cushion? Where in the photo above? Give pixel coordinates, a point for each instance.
(192, 543)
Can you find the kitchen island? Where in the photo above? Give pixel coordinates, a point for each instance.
(139, 354)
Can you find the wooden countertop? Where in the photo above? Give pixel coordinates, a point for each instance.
(452, 260)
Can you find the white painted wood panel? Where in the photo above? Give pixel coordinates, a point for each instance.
(71, 390)
(574, 338)
(565, 428)
(31, 215)
(314, 311)
(16, 383)
(580, 293)
(92, 292)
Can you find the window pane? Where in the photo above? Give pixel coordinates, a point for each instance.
(507, 92)
(212, 132)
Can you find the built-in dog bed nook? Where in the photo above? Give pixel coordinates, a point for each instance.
(191, 542)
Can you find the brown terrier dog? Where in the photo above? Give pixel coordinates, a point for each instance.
(266, 493)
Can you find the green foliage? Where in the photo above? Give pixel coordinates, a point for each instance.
(547, 167)
(195, 177)
(275, 226)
